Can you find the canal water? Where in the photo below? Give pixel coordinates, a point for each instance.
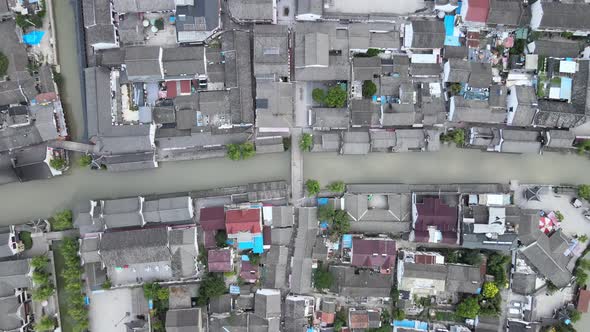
(22, 201)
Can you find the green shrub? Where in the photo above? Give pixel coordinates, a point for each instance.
(26, 238)
(306, 142)
(457, 136)
(85, 160)
(159, 24)
(468, 308)
(58, 163)
(337, 186)
(241, 151)
(44, 323)
(61, 221)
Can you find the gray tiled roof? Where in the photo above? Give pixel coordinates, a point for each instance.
(477, 111)
(183, 62)
(566, 16)
(122, 248)
(363, 284)
(282, 216)
(143, 64)
(267, 303)
(508, 12)
(168, 210)
(428, 34)
(460, 70)
(274, 104)
(138, 6)
(561, 139)
(183, 320)
(253, 10)
(271, 51)
(547, 256)
(560, 48)
(331, 118)
(356, 143)
(14, 274)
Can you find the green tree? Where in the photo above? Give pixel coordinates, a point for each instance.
(40, 277)
(399, 314)
(369, 89)
(248, 150)
(313, 187)
(497, 267)
(581, 276)
(159, 24)
(221, 239)
(455, 89)
(39, 262)
(490, 290)
(583, 146)
(457, 136)
(62, 221)
(26, 238)
(107, 284)
(212, 286)
(3, 64)
(559, 216)
(306, 142)
(85, 160)
(42, 293)
(336, 97)
(23, 21)
(468, 308)
(471, 257)
(574, 315)
(318, 95)
(58, 163)
(340, 320)
(325, 213)
(45, 323)
(337, 186)
(584, 191)
(322, 278)
(233, 152)
(583, 238)
(241, 151)
(340, 223)
(371, 52)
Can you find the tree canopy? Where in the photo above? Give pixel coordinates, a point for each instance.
(3, 64)
(337, 186)
(584, 191)
(490, 290)
(318, 95)
(306, 142)
(58, 163)
(369, 89)
(212, 286)
(322, 278)
(336, 97)
(312, 186)
(468, 308)
(44, 323)
(241, 151)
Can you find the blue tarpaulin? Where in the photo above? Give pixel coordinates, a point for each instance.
(347, 241)
(245, 258)
(565, 91)
(324, 225)
(258, 244)
(233, 289)
(322, 201)
(33, 37)
(449, 25)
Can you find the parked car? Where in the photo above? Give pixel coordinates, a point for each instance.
(587, 214)
(576, 203)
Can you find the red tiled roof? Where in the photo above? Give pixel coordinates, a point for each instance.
(185, 87)
(477, 11)
(327, 317)
(373, 253)
(266, 235)
(583, 300)
(209, 239)
(424, 259)
(219, 260)
(212, 218)
(171, 89)
(358, 320)
(46, 97)
(249, 272)
(246, 220)
(434, 212)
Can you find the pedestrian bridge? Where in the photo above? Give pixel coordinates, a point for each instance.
(73, 146)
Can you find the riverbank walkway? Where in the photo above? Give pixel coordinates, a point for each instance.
(73, 146)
